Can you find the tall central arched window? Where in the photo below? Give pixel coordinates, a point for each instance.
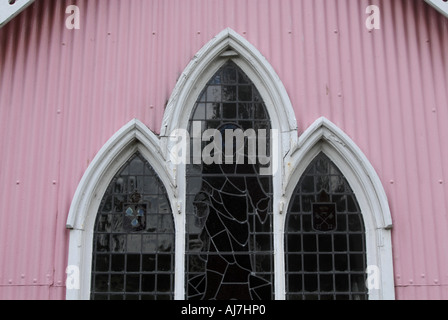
(229, 240)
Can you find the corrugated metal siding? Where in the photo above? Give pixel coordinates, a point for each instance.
(64, 93)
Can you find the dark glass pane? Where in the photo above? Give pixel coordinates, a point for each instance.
(164, 283)
(308, 184)
(133, 263)
(245, 111)
(325, 243)
(309, 243)
(132, 283)
(326, 284)
(311, 284)
(229, 93)
(341, 262)
(295, 262)
(148, 283)
(102, 263)
(136, 242)
(229, 242)
(295, 283)
(101, 283)
(245, 93)
(310, 262)
(332, 257)
(118, 263)
(229, 110)
(326, 262)
(342, 282)
(117, 283)
(294, 243)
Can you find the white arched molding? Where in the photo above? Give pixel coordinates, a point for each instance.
(324, 136)
(230, 45)
(133, 137)
(291, 157)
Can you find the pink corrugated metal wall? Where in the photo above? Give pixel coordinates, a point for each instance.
(64, 93)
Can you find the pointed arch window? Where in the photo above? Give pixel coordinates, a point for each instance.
(133, 242)
(229, 240)
(325, 242)
(238, 233)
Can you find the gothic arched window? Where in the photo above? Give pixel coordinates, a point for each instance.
(229, 239)
(134, 238)
(232, 235)
(325, 242)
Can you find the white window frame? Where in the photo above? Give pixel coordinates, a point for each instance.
(439, 5)
(133, 137)
(9, 11)
(324, 136)
(293, 155)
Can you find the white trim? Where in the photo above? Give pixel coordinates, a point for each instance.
(324, 136)
(293, 155)
(9, 11)
(230, 45)
(107, 157)
(440, 5)
(133, 137)
(207, 61)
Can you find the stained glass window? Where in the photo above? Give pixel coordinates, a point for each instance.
(133, 246)
(325, 241)
(229, 240)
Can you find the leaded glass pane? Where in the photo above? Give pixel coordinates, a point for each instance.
(133, 248)
(229, 240)
(325, 238)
